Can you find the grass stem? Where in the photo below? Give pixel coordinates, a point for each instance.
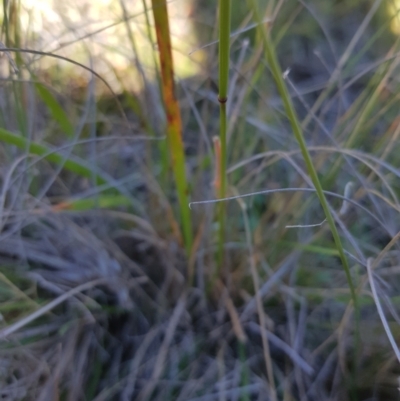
(297, 131)
(224, 46)
(174, 123)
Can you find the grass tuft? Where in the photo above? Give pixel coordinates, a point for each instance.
(109, 112)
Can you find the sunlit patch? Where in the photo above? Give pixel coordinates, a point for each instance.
(393, 8)
(95, 34)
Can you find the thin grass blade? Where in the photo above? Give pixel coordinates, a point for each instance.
(56, 111)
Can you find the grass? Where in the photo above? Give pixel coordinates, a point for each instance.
(140, 261)
(224, 12)
(174, 124)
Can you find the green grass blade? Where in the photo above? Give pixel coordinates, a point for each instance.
(57, 112)
(297, 131)
(102, 202)
(48, 154)
(276, 71)
(224, 47)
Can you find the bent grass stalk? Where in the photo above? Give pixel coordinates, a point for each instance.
(174, 123)
(297, 131)
(75, 166)
(224, 42)
(70, 163)
(56, 110)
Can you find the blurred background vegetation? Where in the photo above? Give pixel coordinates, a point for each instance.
(100, 300)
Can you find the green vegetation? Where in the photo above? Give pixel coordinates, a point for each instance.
(200, 200)
(224, 25)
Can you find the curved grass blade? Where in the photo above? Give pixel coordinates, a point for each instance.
(48, 154)
(276, 72)
(298, 133)
(55, 109)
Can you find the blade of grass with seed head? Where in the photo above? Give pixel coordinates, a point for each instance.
(174, 123)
